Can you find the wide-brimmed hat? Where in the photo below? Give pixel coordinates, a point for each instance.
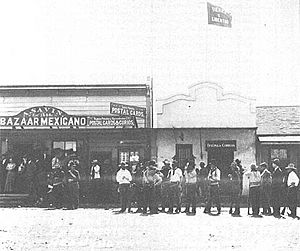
(276, 162)
(213, 162)
(123, 164)
(291, 166)
(263, 164)
(152, 163)
(166, 161)
(253, 167)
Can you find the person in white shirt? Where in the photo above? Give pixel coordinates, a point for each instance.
(292, 183)
(214, 177)
(175, 176)
(191, 188)
(254, 192)
(124, 178)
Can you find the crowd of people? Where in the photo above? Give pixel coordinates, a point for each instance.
(48, 181)
(55, 182)
(166, 190)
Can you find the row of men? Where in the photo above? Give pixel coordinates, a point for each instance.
(58, 187)
(146, 184)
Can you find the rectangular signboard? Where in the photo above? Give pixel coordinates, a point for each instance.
(51, 117)
(220, 144)
(110, 121)
(127, 110)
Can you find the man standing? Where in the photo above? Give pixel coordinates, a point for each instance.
(214, 177)
(165, 186)
(124, 178)
(151, 182)
(292, 182)
(203, 181)
(235, 189)
(277, 185)
(191, 187)
(175, 175)
(266, 183)
(254, 186)
(72, 185)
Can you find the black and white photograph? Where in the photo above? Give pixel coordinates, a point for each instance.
(150, 125)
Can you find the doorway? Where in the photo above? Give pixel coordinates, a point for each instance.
(223, 157)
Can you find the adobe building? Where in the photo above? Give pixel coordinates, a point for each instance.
(279, 134)
(208, 124)
(109, 123)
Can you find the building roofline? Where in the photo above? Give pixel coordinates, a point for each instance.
(274, 106)
(73, 86)
(206, 128)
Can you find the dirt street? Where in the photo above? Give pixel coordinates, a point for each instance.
(99, 229)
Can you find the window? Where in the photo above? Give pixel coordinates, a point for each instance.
(65, 145)
(281, 154)
(129, 156)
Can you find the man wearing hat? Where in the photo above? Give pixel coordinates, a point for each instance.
(191, 187)
(151, 181)
(292, 183)
(175, 176)
(277, 185)
(124, 178)
(254, 186)
(165, 186)
(266, 183)
(214, 177)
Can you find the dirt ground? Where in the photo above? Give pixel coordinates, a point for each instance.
(99, 229)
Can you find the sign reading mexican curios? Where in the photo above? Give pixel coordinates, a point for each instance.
(110, 121)
(48, 116)
(218, 16)
(127, 110)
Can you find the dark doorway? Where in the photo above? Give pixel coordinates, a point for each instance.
(224, 158)
(104, 158)
(183, 153)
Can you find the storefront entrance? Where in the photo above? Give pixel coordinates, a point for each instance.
(224, 158)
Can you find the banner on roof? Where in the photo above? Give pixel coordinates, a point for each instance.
(218, 16)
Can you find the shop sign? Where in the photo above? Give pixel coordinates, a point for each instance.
(220, 144)
(218, 16)
(110, 121)
(48, 116)
(127, 110)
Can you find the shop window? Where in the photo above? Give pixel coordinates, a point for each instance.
(65, 145)
(183, 153)
(129, 156)
(281, 154)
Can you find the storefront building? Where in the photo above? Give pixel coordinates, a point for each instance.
(109, 123)
(279, 134)
(207, 124)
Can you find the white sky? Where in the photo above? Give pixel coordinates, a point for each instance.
(116, 42)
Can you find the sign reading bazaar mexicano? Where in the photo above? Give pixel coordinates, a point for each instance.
(48, 116)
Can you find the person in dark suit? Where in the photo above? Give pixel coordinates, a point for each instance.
(277, 187)
(72, 185)
(235, 191)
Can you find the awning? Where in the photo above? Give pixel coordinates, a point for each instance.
(287, 140)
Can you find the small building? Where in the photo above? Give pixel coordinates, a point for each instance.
(109, 123)
(278, 134)
(208, 124)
